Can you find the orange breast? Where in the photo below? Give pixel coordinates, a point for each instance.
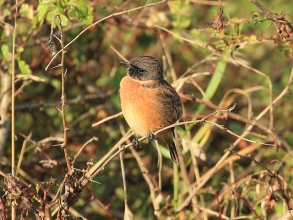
(140, 106)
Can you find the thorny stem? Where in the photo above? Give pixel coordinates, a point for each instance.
(264, 10)
(63, 95)
(63, 98)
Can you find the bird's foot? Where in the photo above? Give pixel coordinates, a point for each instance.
(152, 136)
(135, 143)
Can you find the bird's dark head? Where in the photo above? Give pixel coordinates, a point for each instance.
(145, 68)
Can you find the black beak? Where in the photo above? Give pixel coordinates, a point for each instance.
(126, 63)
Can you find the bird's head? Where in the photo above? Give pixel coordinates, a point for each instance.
(144, 68)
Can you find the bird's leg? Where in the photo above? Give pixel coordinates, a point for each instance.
(152, 136)
(135, 143)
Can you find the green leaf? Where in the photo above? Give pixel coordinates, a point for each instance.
(196, 34)
(42, 11)
(181, 22)
(26, 11)
(52, 14)
(81, 10)
(24, 68)
(64, 20)
(71, 13)
(5, 53)
(19, 50)
(90, 16)
(82, 7)
(5, 50)
(6, 12)
(180, 14)
(56, 83)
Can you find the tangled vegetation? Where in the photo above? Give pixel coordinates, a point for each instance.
(65, 148)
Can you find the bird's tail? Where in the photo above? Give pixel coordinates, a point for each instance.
(173, 152)
(167, 137)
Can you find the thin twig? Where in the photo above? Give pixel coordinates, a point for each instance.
(160, 164)
(103, 19)
(22, 151)
(271, 173)
(13, 211)
(192, 41)
(168, 57)
(271, 125)
(106, 208)
(208, 2)
(199, 89)
(247, 204)
(266, 12)
(24, 84)
(253, 122)
(3, 208)
(106, 119)
(83, 146)
(185, 178)
(99, 99)
(214, 213)
(232, 180)
(126, 208)
(96, 170)
(105, 160)
(118, 53)
(236, 135)
(151, 186)
(224, 160)
(224, 157)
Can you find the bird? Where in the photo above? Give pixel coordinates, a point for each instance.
(148, 102)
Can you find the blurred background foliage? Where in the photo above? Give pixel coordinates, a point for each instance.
(92, 90)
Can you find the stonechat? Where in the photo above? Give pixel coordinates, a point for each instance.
(148, 101)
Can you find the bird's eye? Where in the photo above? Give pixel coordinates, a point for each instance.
(141, 70)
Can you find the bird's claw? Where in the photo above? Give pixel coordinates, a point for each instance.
(135, 143)
(152, 136)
